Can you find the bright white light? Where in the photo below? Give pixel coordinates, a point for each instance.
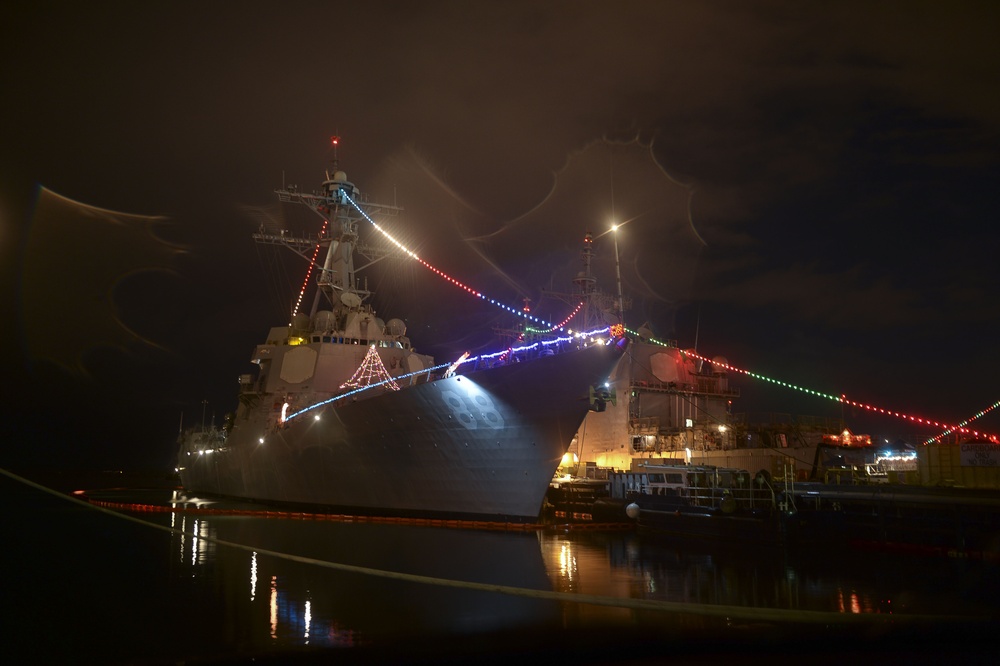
(194, 544)
(253, 575)
(308, 618)
(273, 606)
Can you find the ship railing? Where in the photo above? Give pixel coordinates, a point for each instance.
(683, 387)
(744, 499)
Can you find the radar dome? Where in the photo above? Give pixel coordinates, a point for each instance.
(395, 327)
(323, 321)
(300, 322)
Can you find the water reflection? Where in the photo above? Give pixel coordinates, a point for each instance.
(309, 605)
(414, 580)
(216, 585)
(839, 582)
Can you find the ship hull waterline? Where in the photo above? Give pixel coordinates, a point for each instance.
(480, 446)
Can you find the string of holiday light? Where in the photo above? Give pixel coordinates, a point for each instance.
(461, 285)
(512, 351)
(964, 423)
(922, 421)
(341, 396)
(371, 370)
(843, 399)
(652, 340)
(760, 377)
(312, 264)
(558, 326)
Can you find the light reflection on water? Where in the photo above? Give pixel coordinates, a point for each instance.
(311, 605)
(217, 599)
(841, 582)
(609, 564)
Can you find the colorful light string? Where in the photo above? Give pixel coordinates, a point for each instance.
(879, 410)
(445, 276)
(948, 429)
(921, 421)
(503, 354)
(964, 423)
(559, 325)
(312, 264)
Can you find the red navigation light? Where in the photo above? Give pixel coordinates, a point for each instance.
(334, 140)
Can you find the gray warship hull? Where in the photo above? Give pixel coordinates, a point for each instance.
(481, 446)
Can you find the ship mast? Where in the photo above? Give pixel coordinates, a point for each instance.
(618, 278)
(597, 305)
(339, 204)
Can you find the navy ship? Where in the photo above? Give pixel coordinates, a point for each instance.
(343, 413)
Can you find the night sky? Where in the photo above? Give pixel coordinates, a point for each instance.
(807, 189)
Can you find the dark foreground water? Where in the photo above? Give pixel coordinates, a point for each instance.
(85, 586)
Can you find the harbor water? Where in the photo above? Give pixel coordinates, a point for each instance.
(88, 584)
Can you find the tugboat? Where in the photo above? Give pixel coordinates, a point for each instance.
(724, 506)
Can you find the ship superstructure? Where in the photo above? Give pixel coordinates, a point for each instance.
(343, 413)
(669, 402)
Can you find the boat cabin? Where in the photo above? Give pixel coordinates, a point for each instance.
(678, 480)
